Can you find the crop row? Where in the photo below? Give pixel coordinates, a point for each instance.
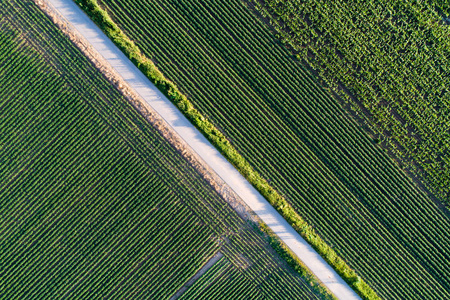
(396, 69)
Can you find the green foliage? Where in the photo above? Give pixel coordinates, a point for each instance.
(392, 58)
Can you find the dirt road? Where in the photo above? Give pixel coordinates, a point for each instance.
(136, 80)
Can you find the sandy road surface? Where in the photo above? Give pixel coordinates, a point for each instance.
(100, 42)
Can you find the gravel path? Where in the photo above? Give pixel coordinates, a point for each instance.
(100, 42)
(194, 278)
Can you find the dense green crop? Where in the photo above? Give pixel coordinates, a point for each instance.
(389, 61)
(298, 138)
(95, 203)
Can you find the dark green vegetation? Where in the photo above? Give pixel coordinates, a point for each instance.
(389, 61)
(297, 136)
(95, 203)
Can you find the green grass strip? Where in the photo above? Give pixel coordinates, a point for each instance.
(168, 88)
(294, 262)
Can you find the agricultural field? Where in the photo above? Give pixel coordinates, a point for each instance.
(95, 202)
(225, 58)
(388, 60)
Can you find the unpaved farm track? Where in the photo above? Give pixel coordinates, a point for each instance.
(162, 114)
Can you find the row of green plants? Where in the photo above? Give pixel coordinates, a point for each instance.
(217, 138)
(295, 135)
(390, 57)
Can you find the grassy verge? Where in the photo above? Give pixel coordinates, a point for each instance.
(285, 253)
(101, 18)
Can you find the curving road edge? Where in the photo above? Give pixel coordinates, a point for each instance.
(142, 85)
